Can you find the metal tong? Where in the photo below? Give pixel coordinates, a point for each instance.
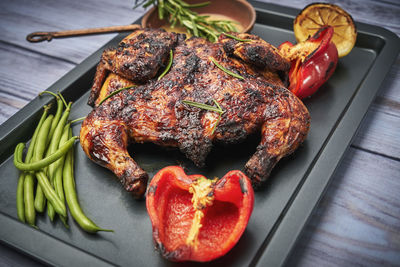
(48, 36)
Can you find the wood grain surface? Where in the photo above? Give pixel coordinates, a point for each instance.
(357, 222)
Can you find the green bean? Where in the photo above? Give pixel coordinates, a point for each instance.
(25, 195)
(40, 201)
(72, 200)
(58, 182)
(56, 179)
(63, 99)
(40, 164)
(37, 154)
(40, 147)
(29, 153)
(57, 117)
(58, 186)
(54, 138)
(55, 141)
(30, 214)
(20, 198)
(58, 95)
(51, 194)
(19, 149)
(50, 209)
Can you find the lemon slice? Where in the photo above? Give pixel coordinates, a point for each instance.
(318, 15)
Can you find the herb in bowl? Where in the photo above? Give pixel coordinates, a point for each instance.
(179, 13)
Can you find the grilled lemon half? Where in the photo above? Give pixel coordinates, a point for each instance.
(318, 15)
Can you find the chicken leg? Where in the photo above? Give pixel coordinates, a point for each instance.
(105, 142)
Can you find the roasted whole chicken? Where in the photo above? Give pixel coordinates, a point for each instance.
(155, 110)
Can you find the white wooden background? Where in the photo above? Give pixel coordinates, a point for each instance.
(358, 220)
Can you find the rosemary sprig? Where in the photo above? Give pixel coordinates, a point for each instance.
(217, 109)
(217, 104)
(215, 125)
(171, 58)
(237, 38)
(219, 116)
(178, 12)
(226, 70)
(115, 92)
(195, 5)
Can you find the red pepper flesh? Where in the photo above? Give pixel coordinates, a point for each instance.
(312, 62)
(197, 219)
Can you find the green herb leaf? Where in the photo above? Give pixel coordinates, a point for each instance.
(215, 125)
(171, 58)
(194, 5)
(217, 104)
(116, 92)
(226, 70)
(217, 109)
(160, 11)
(142, 2)
(237, 38)
(195, 31)
(177, 11)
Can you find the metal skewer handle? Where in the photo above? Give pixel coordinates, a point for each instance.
(48, 36)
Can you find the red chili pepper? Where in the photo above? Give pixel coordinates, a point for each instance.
(197, 219)
(312, 62)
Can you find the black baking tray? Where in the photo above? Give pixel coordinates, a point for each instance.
(282, 205)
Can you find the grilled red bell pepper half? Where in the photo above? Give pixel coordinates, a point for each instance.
(195, 218)
(312, 62)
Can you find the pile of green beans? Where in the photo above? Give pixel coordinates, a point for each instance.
(49, 163)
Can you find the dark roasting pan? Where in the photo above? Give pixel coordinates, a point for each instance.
(282, 206)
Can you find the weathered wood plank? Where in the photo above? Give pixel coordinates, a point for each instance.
(380, 133)
(28, 73)
(389, 96)
(21, 80)
(20, 18)
(358, 220)
(9, 106)
(380, 130)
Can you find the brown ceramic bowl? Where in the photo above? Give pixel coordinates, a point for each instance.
(238, 10)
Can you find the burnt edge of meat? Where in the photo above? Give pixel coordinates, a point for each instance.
(138, 57)
(256, 51)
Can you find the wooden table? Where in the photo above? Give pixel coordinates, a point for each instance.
(358, 220)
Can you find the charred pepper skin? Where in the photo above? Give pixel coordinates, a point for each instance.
(197, 219)
(311, 69)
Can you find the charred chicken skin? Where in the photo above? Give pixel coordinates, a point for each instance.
(154, 111)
